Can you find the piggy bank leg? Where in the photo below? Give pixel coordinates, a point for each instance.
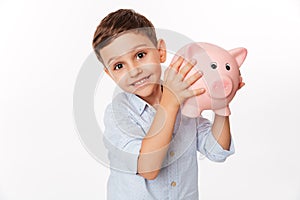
(223, 112)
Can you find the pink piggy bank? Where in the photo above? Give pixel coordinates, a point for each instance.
(221, 77)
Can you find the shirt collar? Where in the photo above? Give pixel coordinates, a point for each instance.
(137, 102)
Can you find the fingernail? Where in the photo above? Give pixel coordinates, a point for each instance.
(193, 61)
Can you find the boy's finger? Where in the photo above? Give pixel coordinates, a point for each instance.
(170, 73)
(199, 91)
(187, 68)
(195, 77)
(195, 92)
(241, 85)
(176, 65)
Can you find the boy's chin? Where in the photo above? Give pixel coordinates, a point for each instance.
(145, 91)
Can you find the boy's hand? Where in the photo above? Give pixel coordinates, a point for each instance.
(241, 84)
(175, 87)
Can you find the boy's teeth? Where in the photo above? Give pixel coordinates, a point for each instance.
(140, 82)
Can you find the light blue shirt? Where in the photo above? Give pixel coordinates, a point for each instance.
(127, 120)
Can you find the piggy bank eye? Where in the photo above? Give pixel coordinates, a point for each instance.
(213, 65)
(228, 66)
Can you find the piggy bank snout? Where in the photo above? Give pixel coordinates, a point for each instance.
(221, 88)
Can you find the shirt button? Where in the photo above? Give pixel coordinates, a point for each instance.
(172, 153)
(173, 184)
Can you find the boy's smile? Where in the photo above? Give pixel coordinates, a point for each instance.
(133, 62)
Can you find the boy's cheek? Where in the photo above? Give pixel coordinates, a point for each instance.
(120, 79)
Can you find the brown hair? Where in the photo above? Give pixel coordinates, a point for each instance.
(118, 22)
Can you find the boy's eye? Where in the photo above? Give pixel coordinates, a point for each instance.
(140, 55)
(118, 66)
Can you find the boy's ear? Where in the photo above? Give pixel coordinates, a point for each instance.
(106, 71)
(161, 46)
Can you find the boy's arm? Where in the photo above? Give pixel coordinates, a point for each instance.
(221, 128)
(221, 131)
(156, 142)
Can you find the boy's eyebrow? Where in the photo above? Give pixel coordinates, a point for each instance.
(133, 48)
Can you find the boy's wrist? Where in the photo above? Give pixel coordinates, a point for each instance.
(169, 104)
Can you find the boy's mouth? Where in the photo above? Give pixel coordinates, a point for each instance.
(141, 81)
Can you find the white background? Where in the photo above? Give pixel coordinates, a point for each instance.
(44, 43)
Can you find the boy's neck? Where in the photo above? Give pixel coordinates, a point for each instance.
(154, 98)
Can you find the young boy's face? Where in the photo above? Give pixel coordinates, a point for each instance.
(133, 62)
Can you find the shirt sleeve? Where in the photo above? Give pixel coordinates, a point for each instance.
(122, 138)
(208, 145)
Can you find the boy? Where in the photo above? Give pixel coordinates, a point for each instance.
(152, 147)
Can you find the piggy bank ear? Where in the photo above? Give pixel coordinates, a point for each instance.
(239, 54)
(188, 52)
(193, 51)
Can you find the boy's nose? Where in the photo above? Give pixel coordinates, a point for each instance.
(134, 71)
